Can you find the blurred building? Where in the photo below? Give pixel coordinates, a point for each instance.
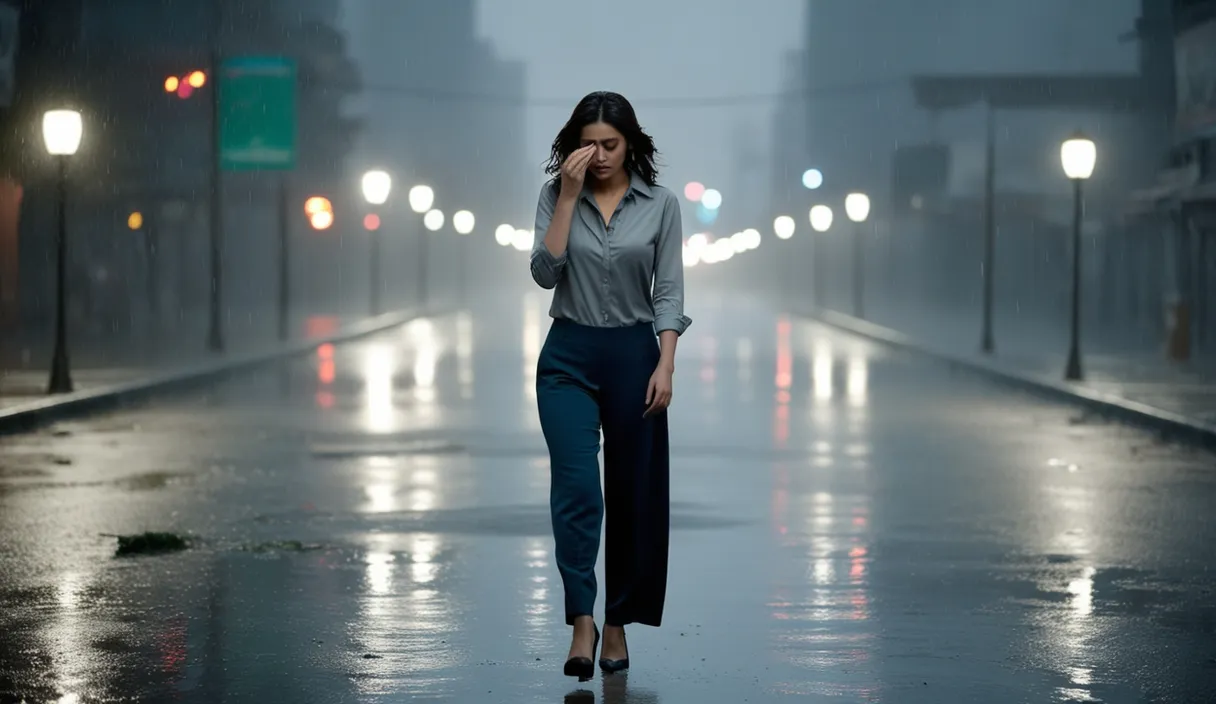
(146, 148)
(790, 153)
(1180, 203)
(861, 56)
(441, 108)
(904, 99)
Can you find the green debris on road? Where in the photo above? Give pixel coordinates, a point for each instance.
(149, 544)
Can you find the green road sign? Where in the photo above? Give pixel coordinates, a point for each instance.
(257, 113)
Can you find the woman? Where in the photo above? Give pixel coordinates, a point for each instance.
(605, 230)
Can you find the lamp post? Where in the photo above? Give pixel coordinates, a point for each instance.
(377, 185)
(857, 207)
(463, 223)
(987, 344)
(62, 131)
(784, 227)
(421, 199)
(821, 222)
(1078, 155)
(215, 221)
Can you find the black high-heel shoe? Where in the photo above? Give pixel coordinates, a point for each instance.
(611, 666)
(584, 668)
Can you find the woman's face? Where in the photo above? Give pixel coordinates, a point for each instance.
(610, 149)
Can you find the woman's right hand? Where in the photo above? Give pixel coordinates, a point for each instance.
(574, 170)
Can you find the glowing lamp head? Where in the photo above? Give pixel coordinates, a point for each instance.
(462, 222)
(783, 227)
(376, 187)
(421, 199)
(821, 218)
(317, 204)
(1078, 156)
(523, 240)
(433, 220)
(62, 131)
(135, 220)
(504, 234)
(812, 179)
(321, 220)
(857, 206)
(693, 190)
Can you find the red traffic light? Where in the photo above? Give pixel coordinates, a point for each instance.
(184, 86)
(371, 222)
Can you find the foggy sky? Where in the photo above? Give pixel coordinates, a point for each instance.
(645, 49)
(650, 49)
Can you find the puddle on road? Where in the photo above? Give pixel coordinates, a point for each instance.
(144, 481)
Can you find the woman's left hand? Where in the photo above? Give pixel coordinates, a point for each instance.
(658, 392)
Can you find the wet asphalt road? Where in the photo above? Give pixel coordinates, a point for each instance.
(850, 524)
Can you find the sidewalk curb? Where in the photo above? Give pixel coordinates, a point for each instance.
(1175, 424)
(28, 416)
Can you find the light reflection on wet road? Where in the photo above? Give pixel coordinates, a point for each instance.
(850, 524)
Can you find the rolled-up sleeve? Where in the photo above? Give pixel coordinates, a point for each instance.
(546, 268)
(669, 273)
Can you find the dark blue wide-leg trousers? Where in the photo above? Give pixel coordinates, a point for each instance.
(588, 378)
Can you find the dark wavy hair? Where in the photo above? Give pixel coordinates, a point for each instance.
(613, 109)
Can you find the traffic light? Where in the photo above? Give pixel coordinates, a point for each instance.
(320, 212)
(184, 86)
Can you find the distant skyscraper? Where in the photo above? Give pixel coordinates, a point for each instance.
(441, 105)
(861, 54)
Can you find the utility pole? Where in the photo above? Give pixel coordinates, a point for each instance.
(215, 334)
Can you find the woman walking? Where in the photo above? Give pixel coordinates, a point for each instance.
(609, 243)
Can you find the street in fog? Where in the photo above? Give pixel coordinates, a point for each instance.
(935, 278)
(371, 523)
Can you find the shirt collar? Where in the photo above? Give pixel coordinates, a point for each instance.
(637, 184)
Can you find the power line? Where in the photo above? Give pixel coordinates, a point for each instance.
(441, 95)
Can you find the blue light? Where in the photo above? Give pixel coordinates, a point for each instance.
(812, 179)
(707, 216)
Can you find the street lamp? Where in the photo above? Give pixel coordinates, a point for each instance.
(421, 199)
(821, 221)
(319, 211)
(1078, 155)
(62, 131)
(783, 227)
(463, 222)
(503, 234)
(433, 220)
(812, 179)
(857, 207)
(377, 185)
(821, 218)
(712, 199)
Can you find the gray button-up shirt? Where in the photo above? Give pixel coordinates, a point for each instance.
(627, 272)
